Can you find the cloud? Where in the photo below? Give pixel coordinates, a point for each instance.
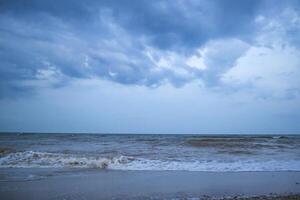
(266, 72)
(218, 56)
(147, 43)
(271, 67)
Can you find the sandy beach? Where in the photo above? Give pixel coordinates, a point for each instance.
(108, 184)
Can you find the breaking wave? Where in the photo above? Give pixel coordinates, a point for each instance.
(32, 159)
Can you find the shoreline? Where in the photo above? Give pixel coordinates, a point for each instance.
(115, 184)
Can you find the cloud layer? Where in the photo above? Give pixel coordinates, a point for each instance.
(242, 45)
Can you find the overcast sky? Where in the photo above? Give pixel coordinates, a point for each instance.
(177, 66)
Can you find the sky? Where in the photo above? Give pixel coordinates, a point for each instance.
(140, 66)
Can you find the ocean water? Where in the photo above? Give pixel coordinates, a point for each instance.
(217, 153)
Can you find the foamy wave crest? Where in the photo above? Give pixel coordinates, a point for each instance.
(212, 166)
(32, 159)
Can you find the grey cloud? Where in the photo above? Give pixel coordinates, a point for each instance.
(109, 39)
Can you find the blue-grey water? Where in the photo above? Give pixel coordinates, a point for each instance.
(150, 152)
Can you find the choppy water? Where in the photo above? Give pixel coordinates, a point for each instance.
(150, 152)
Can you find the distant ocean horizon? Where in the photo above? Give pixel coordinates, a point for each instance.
(208, 133)
(213, 153)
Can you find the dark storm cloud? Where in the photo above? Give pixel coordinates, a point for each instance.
(56, 41)
(167, 23)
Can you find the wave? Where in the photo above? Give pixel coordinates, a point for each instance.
(226, 142)
(32, 159)
(28, 159)
(250, 143)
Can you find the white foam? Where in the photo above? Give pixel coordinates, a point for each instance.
(211, 166)
(31, 159)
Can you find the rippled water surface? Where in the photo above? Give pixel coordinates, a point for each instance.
(150, 152)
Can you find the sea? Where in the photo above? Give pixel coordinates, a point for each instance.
(208, 153)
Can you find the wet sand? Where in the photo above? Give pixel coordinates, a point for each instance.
(106, 184)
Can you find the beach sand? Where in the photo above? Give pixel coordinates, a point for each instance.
(108, 184)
